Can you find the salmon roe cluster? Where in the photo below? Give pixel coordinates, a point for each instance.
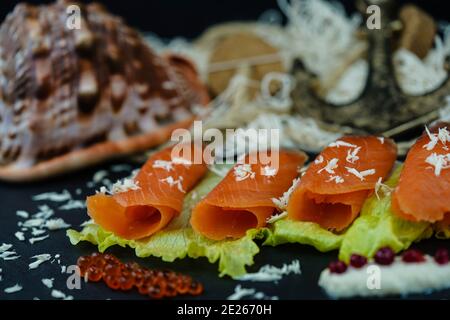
(126, 276)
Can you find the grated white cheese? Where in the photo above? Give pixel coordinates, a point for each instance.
(56, 224)
(53, 196)
(340, 143)
(5, 247)
(121, 167)
(48, 282)
(172, 182)
(17, 287)
(319, 159)
(380, 187)
(272, 273)
(19, 235)
(381, 139)
(33, 240)
(60, 295)
(240, 293)
(352, 155)
(331, 165)
(40, 258)
(361, 174)
(37, 232)
(33, 223)
(73, 204)
(337, 179)
(22, 214)
(45, 212)
(183, 161)
(243, 171)
(443, 136)
(439, 162)
(277, 217)
(269, 171)
(87, 222)
(282, 201)
(163, 164)
(99, 176)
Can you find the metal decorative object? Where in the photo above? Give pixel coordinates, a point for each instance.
(71, 98)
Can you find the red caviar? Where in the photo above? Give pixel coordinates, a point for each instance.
(126, 276)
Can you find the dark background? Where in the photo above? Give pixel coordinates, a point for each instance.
(168, 19)
(189, 18)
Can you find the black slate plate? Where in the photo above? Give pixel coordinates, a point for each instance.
(18, 197)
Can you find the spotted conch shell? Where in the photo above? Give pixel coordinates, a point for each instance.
(74, 97)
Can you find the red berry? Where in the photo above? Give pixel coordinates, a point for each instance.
(384, 256)
(357, 261)
(337, 267)
(413, 255)
(441, 256)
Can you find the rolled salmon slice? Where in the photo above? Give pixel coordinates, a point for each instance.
(423, 190)
(244, 198)
(335, 186)
(155, 197)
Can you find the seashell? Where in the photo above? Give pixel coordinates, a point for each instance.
(73, 98)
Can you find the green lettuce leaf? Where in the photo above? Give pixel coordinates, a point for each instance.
(378, 226)
(309, 233)
(179, 240)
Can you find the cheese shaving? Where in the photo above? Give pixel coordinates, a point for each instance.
(271, 273)
(337, 179)
(380, 187)
(439, 162)
(319, 159)
(277, 217)
(340, 143)
(240, 292)
(282, 201)
(73, 204)
(22, 214)
(352, 155)
(269, 171)
(172, 182)
(40, 258)
(53, 196)
(163, 164)
(381, 139)
(331, 165)
(361, 174)
(56, 224)
(19, 235)
(60, 295)
(243, 171)
(48, 282)
(17, 287)
(33, 240)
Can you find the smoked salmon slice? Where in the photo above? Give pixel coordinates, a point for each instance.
(423, 190)
(335, 186)
(244, 198)
(155, 198)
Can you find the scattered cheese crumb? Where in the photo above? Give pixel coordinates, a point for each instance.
(172, 182)
(381, 139)
(282, 201)
(37, 232)
(163, 164)
(5, 247)
(331, 165)
(240, 293)
(73, 204)
(243, 171)
(48, 282)
(60, 295)
(40, 258)
(361, 175)
(33, 223)
(19, 235)
(352, 155)
(439, 161)
(53, 196)
(277, 217)
(272, 273)
(340, 143)
(33, 240)
(99, 176)
(319, 159)
(17, 287)
(269, 171)
(56, 224)
(87, 222)
(380, 187)
(336, 179)
(22, 214)
(120, 168)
